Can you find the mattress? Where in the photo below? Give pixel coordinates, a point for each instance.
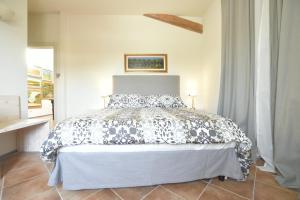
(145, 147)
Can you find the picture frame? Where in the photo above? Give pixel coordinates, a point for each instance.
(34, 98)
(35, 72)
(146, 62)
(47, 75)
(33, 83)
(47, 90)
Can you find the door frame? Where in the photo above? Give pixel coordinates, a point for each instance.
(56, 75)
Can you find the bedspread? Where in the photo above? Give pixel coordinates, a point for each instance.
(148, 126)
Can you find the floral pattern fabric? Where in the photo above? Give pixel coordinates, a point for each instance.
(168, 101)
(141, 101)
(127, 101)
(148, 126)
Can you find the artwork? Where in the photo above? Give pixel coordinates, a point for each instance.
(46, 75)
(40, 86)
(34, 97)
(34, 72)
(33, 83)
(47, 90)
(145, 62)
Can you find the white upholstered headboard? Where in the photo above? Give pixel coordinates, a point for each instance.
(146, 84)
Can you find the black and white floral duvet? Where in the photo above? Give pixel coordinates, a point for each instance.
(147, 126)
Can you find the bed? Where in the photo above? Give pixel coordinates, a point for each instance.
(153, 150)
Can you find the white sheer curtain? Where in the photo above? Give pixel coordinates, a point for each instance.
(262, 84)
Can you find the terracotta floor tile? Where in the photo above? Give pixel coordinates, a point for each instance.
(74, 194)
(267, 192)
(105, 194)
(243, 188)
(48, 195)
(26, 177)
(20, 160)
(252, 171)
(266, 177)
(49, 166)
(1, 182)
(1, 171)
(189, 190)
(26, 189)
(259, 162)
(213, 193)
(24, 156)
(162, 194)
(23, 174)
(134, 193)
(207, 180)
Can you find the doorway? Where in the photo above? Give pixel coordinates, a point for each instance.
(40, 82)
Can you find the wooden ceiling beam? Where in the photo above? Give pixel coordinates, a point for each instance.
(178, 21)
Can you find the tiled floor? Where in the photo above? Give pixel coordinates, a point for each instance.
(24, 176)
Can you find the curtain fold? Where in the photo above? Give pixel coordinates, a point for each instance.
(237, 97)
(285, 87)
(275, 13)
(262, 87)
(238, 75)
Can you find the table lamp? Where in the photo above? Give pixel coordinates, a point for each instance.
(193, 96)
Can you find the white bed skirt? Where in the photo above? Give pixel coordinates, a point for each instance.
(114, 166)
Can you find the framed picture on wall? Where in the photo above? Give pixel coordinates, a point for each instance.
(47, 90)
(47, 75)
(35, 72)
(33, 82)
(146, 62)
(34, 98)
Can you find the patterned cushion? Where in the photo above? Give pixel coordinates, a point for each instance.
(140, 101)
(168, 101)
(152, 101)
(127, 101)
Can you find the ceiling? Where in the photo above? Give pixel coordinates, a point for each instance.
(121, 7)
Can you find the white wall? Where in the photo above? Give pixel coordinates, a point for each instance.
(13, 43)
(92, 49)
(44, 30)
(94, 52)
(211, 63)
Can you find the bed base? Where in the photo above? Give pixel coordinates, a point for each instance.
(92, 170)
